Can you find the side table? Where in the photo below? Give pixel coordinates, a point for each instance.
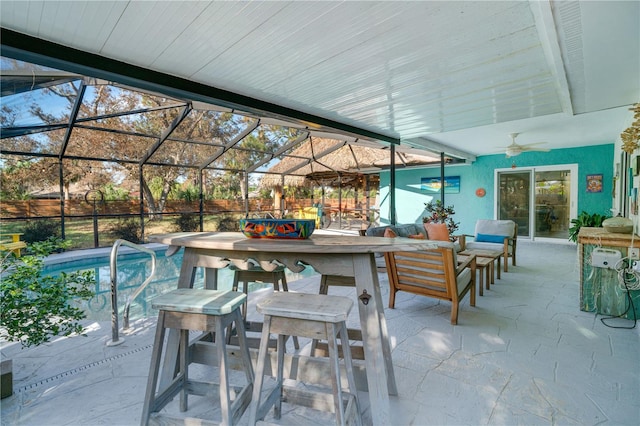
(494, 255)
(485, 268)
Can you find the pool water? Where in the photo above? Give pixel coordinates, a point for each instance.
(133, 269)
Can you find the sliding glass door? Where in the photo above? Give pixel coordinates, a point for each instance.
(514, 199)
(541, 200)
(553, 206)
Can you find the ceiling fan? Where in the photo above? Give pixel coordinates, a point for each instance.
(516, 149)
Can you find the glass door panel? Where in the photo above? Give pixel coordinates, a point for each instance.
(514, 199)
(552, 201)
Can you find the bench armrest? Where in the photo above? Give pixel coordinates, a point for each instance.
(470, 262)
(462, 239)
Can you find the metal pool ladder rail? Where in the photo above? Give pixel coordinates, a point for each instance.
(113, 266)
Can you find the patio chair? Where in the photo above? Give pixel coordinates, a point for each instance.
(432, 273)
(494, 235)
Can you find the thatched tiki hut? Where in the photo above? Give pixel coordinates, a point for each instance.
(336, 164)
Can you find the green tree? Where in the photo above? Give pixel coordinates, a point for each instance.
(113, 193)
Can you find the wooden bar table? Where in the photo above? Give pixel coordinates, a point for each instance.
(343, 255)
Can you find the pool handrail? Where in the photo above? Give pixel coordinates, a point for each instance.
(113, 267)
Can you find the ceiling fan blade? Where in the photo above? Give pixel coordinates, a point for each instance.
(515, 149)
(525, 148)
(532, 144)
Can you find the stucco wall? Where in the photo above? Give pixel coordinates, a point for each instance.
(410, 198)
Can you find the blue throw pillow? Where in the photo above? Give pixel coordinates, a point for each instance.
(487, 238)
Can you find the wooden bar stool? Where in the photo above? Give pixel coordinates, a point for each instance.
(327, 281)
(187, 309)
(312, 316)
(254, 274)
(335, 280)
(257, 274)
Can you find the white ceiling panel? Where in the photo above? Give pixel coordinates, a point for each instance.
(602, 45)
(163, 21)
(405, 69)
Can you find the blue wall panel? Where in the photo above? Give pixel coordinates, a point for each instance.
(410, 199)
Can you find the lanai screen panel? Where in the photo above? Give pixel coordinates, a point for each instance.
(50, 105)
(34, 95)
(257, 148)
(106, 145)
(149, 123)
(38, 118)
(209, 127)
(106, 99)
(179, 153)
(199, 136)
(45, 143)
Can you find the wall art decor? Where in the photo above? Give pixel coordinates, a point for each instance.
(594, 183)
(433, 184)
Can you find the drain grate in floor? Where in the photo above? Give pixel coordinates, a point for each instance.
(80, 369)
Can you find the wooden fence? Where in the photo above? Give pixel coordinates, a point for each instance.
(33, 209)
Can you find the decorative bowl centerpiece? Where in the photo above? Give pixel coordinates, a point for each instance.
(298, 229)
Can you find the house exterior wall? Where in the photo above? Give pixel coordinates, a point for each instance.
(410, 198)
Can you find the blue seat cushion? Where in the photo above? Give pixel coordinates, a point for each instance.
(488, 238)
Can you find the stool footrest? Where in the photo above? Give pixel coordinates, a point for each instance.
(170, 420)
(254, 342)
(296, 367)
(322, 350)
(211, 389)
(317, 400)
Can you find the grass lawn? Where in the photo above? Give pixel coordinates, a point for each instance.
(81, 231)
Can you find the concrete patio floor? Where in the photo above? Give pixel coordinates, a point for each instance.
(524, 355)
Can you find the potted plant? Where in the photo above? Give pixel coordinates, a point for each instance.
(585, 219)
(35, 307)
(438, 213)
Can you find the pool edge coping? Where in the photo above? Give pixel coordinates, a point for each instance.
(93, 253)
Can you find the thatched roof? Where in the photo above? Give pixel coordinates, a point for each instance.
(320, 160)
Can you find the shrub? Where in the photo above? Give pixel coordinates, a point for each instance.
(585, 219)
(187, 223)
(40, 230)
(127, 229)
(228, 223)
(189, 193)
(33, 307)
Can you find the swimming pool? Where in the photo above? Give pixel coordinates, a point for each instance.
(133, 269)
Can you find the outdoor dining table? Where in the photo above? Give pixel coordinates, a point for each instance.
(341, 255)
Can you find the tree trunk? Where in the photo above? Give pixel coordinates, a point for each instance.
(151, 202)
